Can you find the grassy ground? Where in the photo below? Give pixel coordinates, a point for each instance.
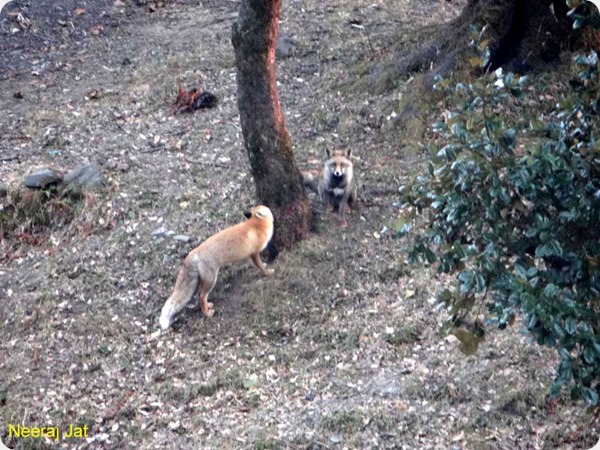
(340, 349)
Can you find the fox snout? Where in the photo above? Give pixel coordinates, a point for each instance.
(247, 214)
(338, 173)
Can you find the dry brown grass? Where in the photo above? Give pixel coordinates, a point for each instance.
(340, 348)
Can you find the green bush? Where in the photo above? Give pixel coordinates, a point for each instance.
(519, 226)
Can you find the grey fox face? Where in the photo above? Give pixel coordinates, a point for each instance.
(339, 164)
(338, 167)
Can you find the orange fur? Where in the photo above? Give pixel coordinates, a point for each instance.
(201, 266)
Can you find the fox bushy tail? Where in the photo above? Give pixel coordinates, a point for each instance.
(185, 286)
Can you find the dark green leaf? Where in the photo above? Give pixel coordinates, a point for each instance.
(571, 325)
(590, 395)
(469, 342)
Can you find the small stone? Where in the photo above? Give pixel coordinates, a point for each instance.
(160, 231)
(390, 391)
(182, 238)
(122, 166)
(451, 339)
(84, 175)
(335, 438)
(42, 179)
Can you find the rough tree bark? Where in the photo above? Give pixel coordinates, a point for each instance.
(277, 178)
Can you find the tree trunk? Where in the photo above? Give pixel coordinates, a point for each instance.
(525, 35)
(278, 181)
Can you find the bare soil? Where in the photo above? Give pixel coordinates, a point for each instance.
(341, 348)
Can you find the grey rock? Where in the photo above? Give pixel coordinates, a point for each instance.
(160, 231)
(84, 176)
(386, 384)
(182, 238)
(42, 179)
(169, 233)
(285, 47)
(389, 391)
(335, 438)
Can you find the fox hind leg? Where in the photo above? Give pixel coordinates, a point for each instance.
(206, 285)
(206, 306)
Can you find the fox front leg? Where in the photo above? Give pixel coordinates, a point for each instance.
(341, 209)
(328, 200)
(261, 265)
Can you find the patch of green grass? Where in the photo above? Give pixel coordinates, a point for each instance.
(253, 400)
(147, 199)
(267, 444)
(230, 380)
(563, 437)
(404, 334)
(26, 214)
(343, 340)
(383, 422)
(133, 431)
(344, 421)
(394, 271)
(518, 402)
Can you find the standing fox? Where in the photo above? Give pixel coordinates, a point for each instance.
(336, 184)
(201, 266)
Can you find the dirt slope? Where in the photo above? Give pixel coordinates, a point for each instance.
(340, 349)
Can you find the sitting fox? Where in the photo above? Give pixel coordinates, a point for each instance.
(201, 266)
(336, 183)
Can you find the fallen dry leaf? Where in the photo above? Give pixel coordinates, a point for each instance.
(97, 30)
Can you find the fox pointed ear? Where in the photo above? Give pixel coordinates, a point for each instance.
(247, 214)
(349, 153)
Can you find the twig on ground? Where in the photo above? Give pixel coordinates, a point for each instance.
(205, 163)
